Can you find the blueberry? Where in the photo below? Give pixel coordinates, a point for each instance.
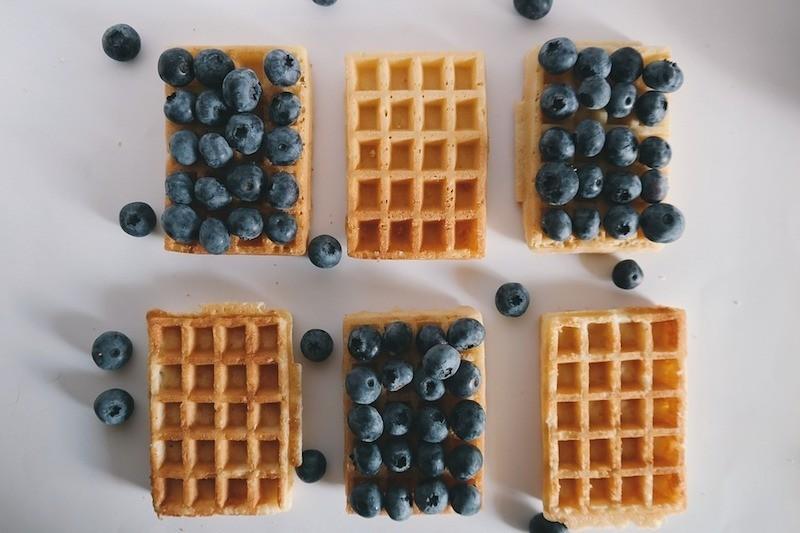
(651, 108)
(428, 336)
(215, 150)
(556, 144)
(589, 138)
(557, 183)
(362, 385)
(654, 186)
(113, 407)
(533, 9)
(441, 361)
(396, 454)
(211, 66)
(626, 65)
(397, 338)
(176, 67)
(655, 152)
(397, 419)
(312, 467)
(431, 424)
(430, 459)
(540, 524)
(245, 182)
(366, 500)
(465, 499)
(282, 68)
(465, 334)
(326, 3)
(179, 106)
(663, 75)
(183, 147)
(211, 193)
(627, 274)
(558, 55)
(137, 219)
(428, 388)
(556, 224)
(622, 100)
(468, 420)
(245, 132)
(111, 350)
(246, 223)
(622, 187)
(586, 223)
(241, 90)
(594, 92)
(431, 496)
(662, 223)
(365, 422)
(465, 382)
(282, 190)
(396, 374)
(316, 345)
(121, 42)
(210, 109)
(366, 457)
(324, 251)
(592, 61)
(590, 181)
(214, 236)
(179, 187)
(284, 109)
(622, 147)
(621, 222)
(181, 223)
(280, 227)
(558, 101)
(397, 500)
(364, 343)
(283, 146)
(464, 461)
(512, 299)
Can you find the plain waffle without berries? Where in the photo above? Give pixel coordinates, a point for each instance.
(613, 416)
(252, 57)
(417, 147)
(225, 411)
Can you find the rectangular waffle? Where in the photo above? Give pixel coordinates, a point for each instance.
(415, 319)
(252, 57)
(531, 123)
(225, 411)
(417, 147)
(613, 416)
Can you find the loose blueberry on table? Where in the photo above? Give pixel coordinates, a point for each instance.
(121, 42)
(111, 350)
(316, 345)
(511, 299)
(312, 467)
(627, 274)
(113, 407)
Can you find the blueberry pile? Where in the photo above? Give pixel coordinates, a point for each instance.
(414, 424)
(595, 167)
(225, 133)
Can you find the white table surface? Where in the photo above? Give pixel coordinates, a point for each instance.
(81, 135)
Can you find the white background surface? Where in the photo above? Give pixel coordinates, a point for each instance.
(81, 135)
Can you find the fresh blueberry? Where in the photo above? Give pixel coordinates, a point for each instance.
(121, 42)
(533, 9)
(428, 388)
(280, 227)
(245, 132)
(622, 187)
(181, 223)
(397, 500)
(396, 454)
(111, 350)
(464, 461)
(621, 222)
(654, 186)
(651, 108)
(212, 193)
(556, 144)
(113, 407)
(137, 219)
(312, 467)
(430, 459)
(558, 55)
(241, 90)
(179, 187)
(627, 274)
(592, 61)
(366, 457)
(364, 343)
(511, 299)
(655, 152)
(441, 361)
(214, 236)
(215, 150)
(586, 223)
(283, 146)
(176, 67)
(465, 499)
(466, 381)
(465, 334)
(183, 147)
(431, 496)
(324, 251)
(594, 92)
(622, 101)
(397, 338)
(556, 224)
(590, 181)
(362, 385)
(589, 138)
(210, 109)
(428, 336)
(246, 223)
(179, 106)
(557, 183)
(431, 424)
(282, 190)
(540, 524)
(662, 223)
(211, 66)
(282, 68)
(559, 101)
(326, 3)
(284, 109)
(622, 147)
(365, 422)
(316, 345)
(663, 75)
(245, 182)
(468, 420)
(626, 65)
(397, 419)
(396, 374)
(366, 500)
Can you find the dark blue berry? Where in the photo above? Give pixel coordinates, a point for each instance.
(428, 388)
(592, 61)
(215, 150)
(324, 251)
(465, 499)
(431, 424)
(662, 223)
(397, 456)
(441, 361)
(362, 385)
(627, 274)
(431, 496)
(181, 223)
(428, 336)
(176, 67)
(464, 461)
(511, 299)
(284, 109)
(325, 3)
(212, 193)
(241, 90)
(246, 182)
(211, 66)
(626, 65)
(179, 187)
(280, 227)
(557, 183)
(245, 132)
(397, 338)
(654, 186)
(590, 181)
(366, 457)
(282, 190)
(396, 374)
(111, 350)
(558, 101)
(282, 68)
(586, 223)
(312, 467)
(137, 219)
(594, 92)
(430, 459)
(179, 106)
(466, 381)
(316, 345)
(397, 500)
(468, 420)
(214, 236)
(365, 422)
(663, 75)
(556, 224)
(246, 223)
(655, 152)
(540, 524)
(651, 108)
(621, 222)
(557, 144)
(283, 146)
(121, 42)
(364, 343)
(113, 406)
(366, 500)
(183, 147)
(210, 109)
(622, 100)
(465, 334)
(622, 147)
(397, 419)
(533, 9)
(589, 138)
(622, 187)
(558, 55)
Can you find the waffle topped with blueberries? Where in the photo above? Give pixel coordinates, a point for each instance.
(593, 149)
(238, 130)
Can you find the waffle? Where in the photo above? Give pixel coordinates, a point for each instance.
(531, 123)
(613, 416)
(417, 148)
(415, 319)
(253, 57)
(225, 411)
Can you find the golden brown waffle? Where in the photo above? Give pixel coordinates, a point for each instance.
(225, 411)
(252, 57)
(417, 148)
(613, 416)
(531, 123)
(415, 319)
